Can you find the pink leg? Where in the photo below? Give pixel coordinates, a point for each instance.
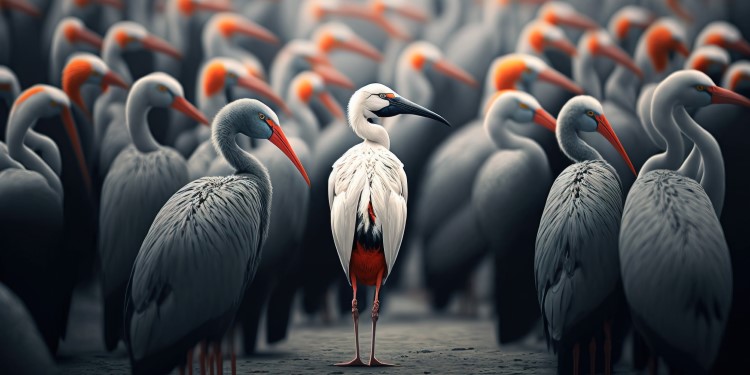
(357, 361)
(375, 309)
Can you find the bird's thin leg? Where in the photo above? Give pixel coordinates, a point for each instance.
(607, 347)
(375, 309)
(190, 361)
(202, 358)
(219, 360)
(576, 357)
(592, 356)
(357, 361)
(231, 350)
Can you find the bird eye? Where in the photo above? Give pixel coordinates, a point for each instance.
(523, 105)
(590, 113)
(232, 76)
(382, 96)
(96, 74)
(53, 104)
(528, 71)
(261, 116)
(700, 87)
(161, 88)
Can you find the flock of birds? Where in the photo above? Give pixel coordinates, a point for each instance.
(624, 212)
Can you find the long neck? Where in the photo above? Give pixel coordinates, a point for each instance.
(47, 149)
(662, 108)
(366, 130)
(713, 163)
(136, 110)
(215, 44)
(20, 120)
(306, 121)
(584, 73)
(61, 49)
(224, 134)
(572, 145)
(112, 55)
(211, 104)
(497, 124)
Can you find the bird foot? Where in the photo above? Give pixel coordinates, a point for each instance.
(374, 362)
(354, 362)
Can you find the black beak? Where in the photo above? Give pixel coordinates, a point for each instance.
(401, 106)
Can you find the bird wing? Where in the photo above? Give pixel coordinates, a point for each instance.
(675, 264)
(196, 260)
(345, 184)
(135, 189)
(394, 221)
(576, 260)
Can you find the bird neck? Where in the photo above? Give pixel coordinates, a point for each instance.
(498, 126)
(215, 44)
(21, 119)
(112, 56)
(367, 130)
(224, 137)
(413, 84)
(211, 104)
(303, 114)
(713, 163)
(662, 108)
(283, 68)
(136, 111)
(61, 49)
(571, 143)
(584, 72)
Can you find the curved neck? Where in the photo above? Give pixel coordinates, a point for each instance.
(216, 45)
(112, 56)
(585, 74)
(367, 130)
(46, 147)
(223, 135)
(662, 108)
(303, 114)
(21, 119)
(61, 49)
(572, 145)
(210, 105)
(136, 117)
(497, 125)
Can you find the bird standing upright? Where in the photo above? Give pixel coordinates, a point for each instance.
(367, 194)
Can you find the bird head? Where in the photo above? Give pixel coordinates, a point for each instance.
(708, 59)
(87, 69)
(9, 87)
(585, 114)
(695, 89)
(663, 38)
(308, 57)
(521, 108)
(188, 8)
(543, 36)
(599, 43)
(425, 57)
(232, 24)
(372, 13)
(679, 10)
(116, 4)
(220, 73)
(377, 100)
(310, 85)
(509, 70)
(724, 35)
(737, 77)
(563, 14)
(76, 32)
(259, 121)
(22, 6)
(46, 101)
(163, 91)
(130, 36)
(337, 36)
(629, 18)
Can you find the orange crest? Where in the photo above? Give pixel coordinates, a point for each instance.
(70, 31)
(736, 79)
(658, 45)
(186, 7)
(536, 40)
(123, 38)
(213, 80)
(227, 27)
(326, 42)
(304, 90)
(27, 94)
(508, 73)
(417, 60)
(622, 27)
(716, 40)
(74, 76)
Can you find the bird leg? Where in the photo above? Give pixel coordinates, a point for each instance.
(202, 357)
(592, 356)
(190, 361)
(219, 359)
(576, 357)
(607, 347)
(375, 309)
(231, 350)
(357, 361)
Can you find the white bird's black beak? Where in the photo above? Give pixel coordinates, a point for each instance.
(400, 106)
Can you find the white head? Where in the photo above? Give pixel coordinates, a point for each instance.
(724, 35)
(709, 59)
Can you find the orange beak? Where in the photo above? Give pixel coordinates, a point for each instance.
(412, 13)
(578, 21)
(279, 139)
(211, 6)
(362, 47)
(741, 46)
(556, 78)
(88, 37)
(543, 118)
(331, 76)
(257, 85)
(605, 129)
(181, 104)
(331, 105)
(160, 45)
(23, 6)
(366, 13)
(681, 48)
(723, 96)
(564, 45)
(256, 31)
(619, 56)
(70, 128)
(450, 70)
(113, 79)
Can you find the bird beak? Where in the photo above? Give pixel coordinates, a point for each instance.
(453, 71)
(362, 47)
(89, 37)
(605, 129)
(70, 128)
(402, 106)
(257, 85)
(543, 118)
(181, 104)
(117, 4)
(256, 31)
(331, 105)
(279, 139)
(160, 45)
(741, 46)
(723, 96)
(23, 6)
(565, 46)
(679, 11)
(332, 76)
(212, 6)
(682, 49)
(365, 12)
(113, 79)
(578, 21)
(556, 78)
(619, 56)
(410, 12)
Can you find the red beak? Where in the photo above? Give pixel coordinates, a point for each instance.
(741, 46)
(255, 84)
(181, 104)
(160, 45)
(605, 129)
(279, 139)
(678, 10)
(619, 56)
(210, 6)
(565, 46)
(113, 79)
(366, 13)
(332, 76)
(453, 71)
(331, 105)
(70, 128)
(723, 96)
(578, 21)
(256, 31)
(117, 4)
(361, 47)
(23, 6)
(556, 78)
(682, 49)
(544, 119)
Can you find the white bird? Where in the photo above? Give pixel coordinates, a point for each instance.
(724, 35)
(367, 194)
(674, 259)
(627, 24)
(576, 260)
(71, 36)
(147, 173)
(203, 267)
